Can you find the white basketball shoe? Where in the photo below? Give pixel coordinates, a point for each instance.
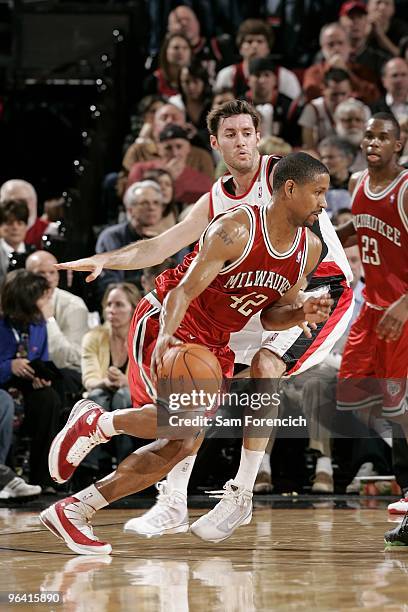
(168, 515)
(234, 510)
(399, 507)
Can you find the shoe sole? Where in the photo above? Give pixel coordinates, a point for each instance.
(53, 455)
(171, 530)
(392, 511)
(246, 521)
(50, 520)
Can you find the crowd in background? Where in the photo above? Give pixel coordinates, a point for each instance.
(314, 89)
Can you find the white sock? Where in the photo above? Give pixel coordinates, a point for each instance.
(105, 424)
(265, 463)
(179, 476)
(248, 467)
(91, 496)
(324, 464)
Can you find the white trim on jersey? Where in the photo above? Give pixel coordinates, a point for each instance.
(138, 342)
(268, 243)
(252, 227)
(304, 258)
(402, 213)
(387, 190)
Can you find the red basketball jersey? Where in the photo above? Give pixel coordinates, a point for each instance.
(382, 231)
(260, 277)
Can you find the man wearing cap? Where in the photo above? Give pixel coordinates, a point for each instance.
(263, 92)
(354, 19)
(174, 149)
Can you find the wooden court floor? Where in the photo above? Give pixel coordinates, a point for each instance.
(317, 558)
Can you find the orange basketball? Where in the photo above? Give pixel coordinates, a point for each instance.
(188, 368)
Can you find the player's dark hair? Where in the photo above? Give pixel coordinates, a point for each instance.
(230, 109)
(389, 117)
(298, 167)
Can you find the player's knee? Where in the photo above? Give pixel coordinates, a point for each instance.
(266, 364)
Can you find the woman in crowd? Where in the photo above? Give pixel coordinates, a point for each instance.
(23, 338)
(105, 360)
(175, 53)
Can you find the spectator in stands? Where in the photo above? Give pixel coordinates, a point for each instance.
(255, 40)
(13, 229)
(146, 149)
(213, 54)
(395, 81)
(354, 19)
(272, 105)
(105, 359)
(175, 53)
(23, 338)
(174, 149)
(66, 314)
(149, 275)
(342, 216)
(222, 95)
(195, 96)
(317, 120)
(171, 208)
(143, 203)
(338, 155)
(350, 118)
(335, 53)
(386, 29)
(18, 189)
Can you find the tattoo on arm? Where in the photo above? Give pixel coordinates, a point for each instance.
(226, 238)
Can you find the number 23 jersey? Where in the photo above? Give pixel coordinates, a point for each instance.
(257, 279)
(382, 231)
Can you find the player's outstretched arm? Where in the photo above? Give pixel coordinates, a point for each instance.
(225, 241)
(146, 253)
(292, 309)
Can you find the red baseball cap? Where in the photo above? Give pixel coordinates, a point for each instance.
(347, 7)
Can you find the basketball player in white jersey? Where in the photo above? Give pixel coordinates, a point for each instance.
(269, 355)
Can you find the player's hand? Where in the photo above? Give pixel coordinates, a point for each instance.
(164, 342)
(390, 325)
(88, 264)
(317, 309)
(307, 327)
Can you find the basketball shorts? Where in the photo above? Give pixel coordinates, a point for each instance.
(373, 372)
(291, 345)
(143, 333)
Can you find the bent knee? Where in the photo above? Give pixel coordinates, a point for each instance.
(266, 364)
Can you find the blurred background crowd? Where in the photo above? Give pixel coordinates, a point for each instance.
(103, 127)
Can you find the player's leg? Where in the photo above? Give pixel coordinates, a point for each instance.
(235, 506)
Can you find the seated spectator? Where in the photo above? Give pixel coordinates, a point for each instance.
(144, 209)
(395, 81)
(342, 216)
(147, 148)
(338, 155)
(354, 19)
(255, 40)
(195, 96)
(350, 118)
(13, 229)
(66, 316)
(272, 105)
(316, 119)
(105, 360)
(272, 145)
(175, 53)
(174, 149)
(11, 485)
(386, 30)
(222, 95)
(336, 53)
(149, 275)
(17, 189)
(23, 338)
(212, 54)
(171, 208)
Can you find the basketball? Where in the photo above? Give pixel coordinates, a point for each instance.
(188, 368)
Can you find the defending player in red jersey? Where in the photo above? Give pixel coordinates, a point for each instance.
(269, 248)
(377, 346)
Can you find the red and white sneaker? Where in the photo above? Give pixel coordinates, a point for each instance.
(76, 440)
(399, 507)
(69, 520)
